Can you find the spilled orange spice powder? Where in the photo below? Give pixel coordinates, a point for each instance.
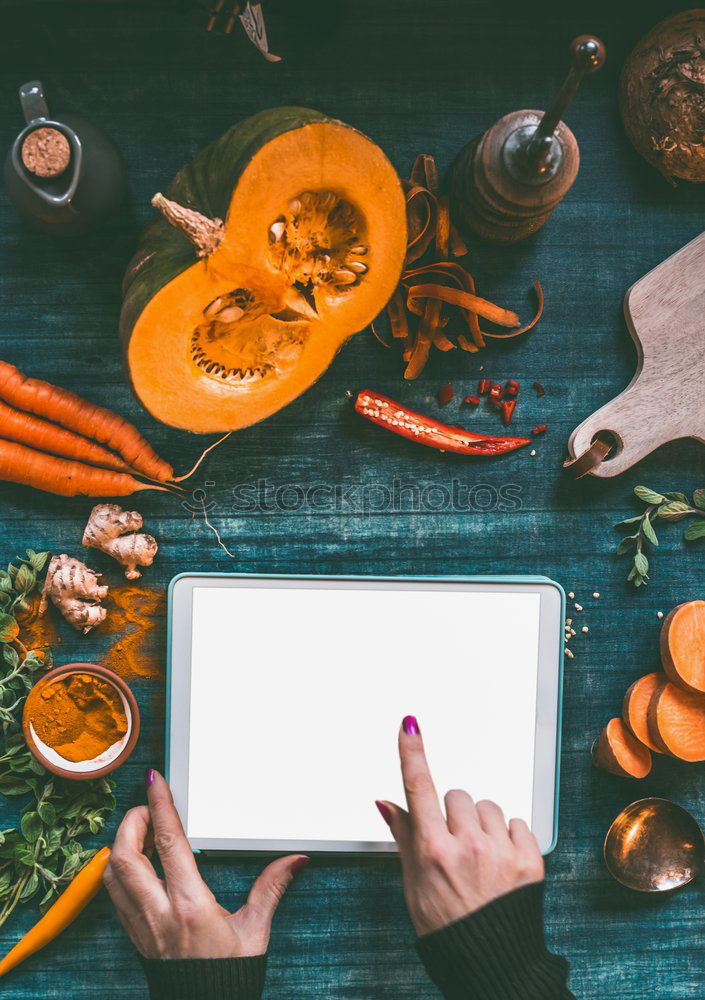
(78, 715)
(133, 616)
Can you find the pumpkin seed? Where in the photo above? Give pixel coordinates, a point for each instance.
(359, 251)
(213, 307)
(344, 277)
(231, 314)
(277, 230)
(357, 266)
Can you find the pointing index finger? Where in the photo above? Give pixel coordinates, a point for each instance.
(421, 796)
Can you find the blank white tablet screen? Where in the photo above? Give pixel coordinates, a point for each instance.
(297, 695)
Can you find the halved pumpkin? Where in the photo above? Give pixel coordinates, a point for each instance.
(226, 323)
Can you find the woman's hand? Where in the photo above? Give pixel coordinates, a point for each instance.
(178, 916)
(453, 864)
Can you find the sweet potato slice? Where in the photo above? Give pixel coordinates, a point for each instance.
(635, 707)
(676, 721)
(621, 753)
(683, 646)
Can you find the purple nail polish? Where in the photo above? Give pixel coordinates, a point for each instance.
(149, 776)
(384, 810)
(300, 863)
(410, 725)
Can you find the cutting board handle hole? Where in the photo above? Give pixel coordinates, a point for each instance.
(612, 439)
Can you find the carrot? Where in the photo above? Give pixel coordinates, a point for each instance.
(44, 436)
(683, 646)
(69, 410)
(677, 722)
(619, 752)
(636, 707)
(62, 476)
(73, 900)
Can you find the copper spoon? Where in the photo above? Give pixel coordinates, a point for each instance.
(654, 845)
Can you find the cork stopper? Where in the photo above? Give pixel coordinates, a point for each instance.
(46, 152)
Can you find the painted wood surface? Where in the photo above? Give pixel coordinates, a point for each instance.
(415, 76)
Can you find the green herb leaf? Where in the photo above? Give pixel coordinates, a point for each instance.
(9, 629)
(694, 531)
(31, 887)
(627, 543)
(699, 499)
(641, 564)
(31, 826)
(648, 531)
(629, 520)
(677, 496)
(47, 813)
(647, 495)
(674, 510)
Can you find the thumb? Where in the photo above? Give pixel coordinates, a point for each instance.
(268, 889)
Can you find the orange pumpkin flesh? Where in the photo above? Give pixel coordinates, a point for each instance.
(313, 247)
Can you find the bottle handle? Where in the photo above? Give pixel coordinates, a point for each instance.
(33, 102)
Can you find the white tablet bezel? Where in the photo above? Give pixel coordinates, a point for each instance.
(548, 702)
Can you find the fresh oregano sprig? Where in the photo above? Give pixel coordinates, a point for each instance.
(672, 506)
(45, 851)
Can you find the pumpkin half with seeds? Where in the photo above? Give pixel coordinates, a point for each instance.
(276, 244)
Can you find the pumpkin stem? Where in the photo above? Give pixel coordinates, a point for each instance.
(205, 234)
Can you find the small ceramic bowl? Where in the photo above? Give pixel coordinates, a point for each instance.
(110, 759)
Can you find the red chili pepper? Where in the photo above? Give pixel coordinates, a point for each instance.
(483, 386)
(540, 391)
(398, 419)
(496, 393)
(508, 407)
(541, 429)
(511, 389)
(473, 400)
(445, 394)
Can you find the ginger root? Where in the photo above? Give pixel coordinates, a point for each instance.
(74, 589)
(107, 530)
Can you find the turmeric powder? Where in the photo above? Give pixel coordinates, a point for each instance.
(78, 715)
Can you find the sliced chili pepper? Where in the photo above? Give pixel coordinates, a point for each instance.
(541, 429)
(445, 394)
(508, 407)
(511, 389)
(496, 393)
(473, 400)
(483, 386)
(398, 419)
(540, 391)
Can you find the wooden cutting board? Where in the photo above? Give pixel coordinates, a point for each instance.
(665, 313)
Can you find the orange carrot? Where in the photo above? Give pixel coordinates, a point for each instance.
(677, 722)
(63, 476)
(621, 753)
(73, 900)
(635, 708)
(65, 408)
(45, 436)
(683, 646)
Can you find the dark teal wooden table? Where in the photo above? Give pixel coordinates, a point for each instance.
(415, 76)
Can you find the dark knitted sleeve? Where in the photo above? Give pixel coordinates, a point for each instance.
(205, 978)
(497, 953)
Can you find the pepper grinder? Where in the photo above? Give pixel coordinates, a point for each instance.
(504, 184)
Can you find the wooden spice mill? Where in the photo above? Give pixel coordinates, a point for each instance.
(504, 184)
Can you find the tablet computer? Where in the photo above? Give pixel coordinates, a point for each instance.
(286, 695)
